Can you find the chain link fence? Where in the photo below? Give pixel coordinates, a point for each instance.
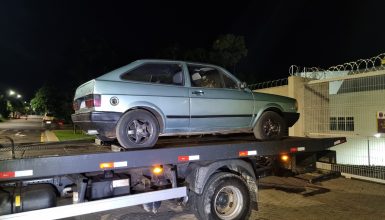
(349, 107)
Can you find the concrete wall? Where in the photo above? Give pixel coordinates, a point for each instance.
(279, 90)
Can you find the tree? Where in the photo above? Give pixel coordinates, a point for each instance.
(228, 50)
(47, 99)
(40, 102)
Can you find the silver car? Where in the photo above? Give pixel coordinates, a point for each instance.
(149, 98)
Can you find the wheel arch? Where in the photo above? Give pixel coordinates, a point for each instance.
(153, 110)
(200, 174)
(271, 107)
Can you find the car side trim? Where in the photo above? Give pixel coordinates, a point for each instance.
(208, 116)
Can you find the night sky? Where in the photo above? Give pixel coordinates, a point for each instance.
(41, 41)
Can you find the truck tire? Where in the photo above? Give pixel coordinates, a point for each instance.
(137, 129)
(270, 126)
(225, 197)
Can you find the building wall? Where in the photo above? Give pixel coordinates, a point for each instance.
(358, 96)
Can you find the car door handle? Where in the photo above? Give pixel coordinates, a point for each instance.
(198, 92)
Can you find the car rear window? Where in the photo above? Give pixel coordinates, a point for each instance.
(163, 73)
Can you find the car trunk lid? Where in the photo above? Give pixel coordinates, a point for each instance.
(85, 99)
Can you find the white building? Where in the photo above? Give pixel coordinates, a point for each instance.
(341, 104)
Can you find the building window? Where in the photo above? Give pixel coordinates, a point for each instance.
(333, 123)
(349, 124)
(342, 123)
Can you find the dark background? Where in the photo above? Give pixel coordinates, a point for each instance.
(57, 41)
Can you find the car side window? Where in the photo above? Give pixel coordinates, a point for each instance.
(163, 73)
(229, 82)
(204, 76)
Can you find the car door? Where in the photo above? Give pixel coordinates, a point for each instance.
(216, 102)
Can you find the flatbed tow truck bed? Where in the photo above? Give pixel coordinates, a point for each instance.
(189, 167)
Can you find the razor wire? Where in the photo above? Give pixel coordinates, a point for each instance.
(375, 63)
(269, 84)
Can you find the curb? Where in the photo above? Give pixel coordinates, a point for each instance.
(48, 136)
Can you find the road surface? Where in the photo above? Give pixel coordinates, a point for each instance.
(21, 130)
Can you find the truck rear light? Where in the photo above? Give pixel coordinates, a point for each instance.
(93, 100)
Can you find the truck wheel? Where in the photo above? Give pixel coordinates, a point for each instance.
(137, 129)
(225, 196)
(270, 126)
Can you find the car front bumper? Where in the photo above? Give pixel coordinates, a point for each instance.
(103, 122)
(291, 118)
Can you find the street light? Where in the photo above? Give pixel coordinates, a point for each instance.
(11, 92)
(18, 96)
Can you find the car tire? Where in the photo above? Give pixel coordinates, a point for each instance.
(137, 129)
(270, 126)
(225, 196)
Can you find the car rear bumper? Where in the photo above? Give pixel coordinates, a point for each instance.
(291, 118)
(103, 122)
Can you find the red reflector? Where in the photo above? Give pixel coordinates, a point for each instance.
(183, 158)
(7, 174)
(293, 149)
(243, 153)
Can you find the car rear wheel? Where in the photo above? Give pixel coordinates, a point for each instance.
(137, 129)
(270, 126)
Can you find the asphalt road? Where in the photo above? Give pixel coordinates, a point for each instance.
(21, 130)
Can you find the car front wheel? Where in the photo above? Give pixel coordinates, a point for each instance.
(137, 129)
(270, 126)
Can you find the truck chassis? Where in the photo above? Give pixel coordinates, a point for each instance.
(215, 176)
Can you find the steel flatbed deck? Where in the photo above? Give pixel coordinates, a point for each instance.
(63, 158)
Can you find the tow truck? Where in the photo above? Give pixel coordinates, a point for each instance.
(215, 176)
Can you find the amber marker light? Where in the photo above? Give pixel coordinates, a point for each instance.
(284, 158)
(157, 170)
(106, 165)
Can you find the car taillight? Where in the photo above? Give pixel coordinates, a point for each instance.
(75, 105)
(93, 100)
